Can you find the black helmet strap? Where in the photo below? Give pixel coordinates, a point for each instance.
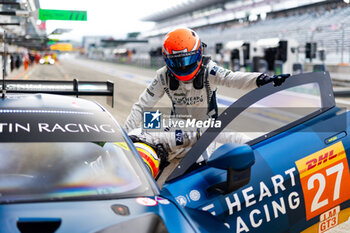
(173, 82)
(198, 80)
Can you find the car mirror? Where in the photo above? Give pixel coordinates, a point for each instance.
(237, 159)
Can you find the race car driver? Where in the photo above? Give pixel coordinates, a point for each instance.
(190, 80)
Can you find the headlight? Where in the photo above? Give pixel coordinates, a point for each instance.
(52, 61)
(42, 61)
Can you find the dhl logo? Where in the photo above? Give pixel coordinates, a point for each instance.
(320, 159)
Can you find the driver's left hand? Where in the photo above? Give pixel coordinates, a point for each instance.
(276, 79)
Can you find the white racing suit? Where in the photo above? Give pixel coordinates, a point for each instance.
(200, 103)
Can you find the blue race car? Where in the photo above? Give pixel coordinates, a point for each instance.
(67, 166)
(293, 176)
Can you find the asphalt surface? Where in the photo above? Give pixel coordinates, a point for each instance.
(129, 83)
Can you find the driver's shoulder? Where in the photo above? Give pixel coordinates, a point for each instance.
(214, 69)
(161, 75)
(161, 70)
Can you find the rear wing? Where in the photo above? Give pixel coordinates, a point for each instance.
(74, 87)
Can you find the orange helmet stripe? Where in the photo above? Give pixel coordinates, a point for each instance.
(152, 163)
(155, 161)
(147, 162)
(147, 146)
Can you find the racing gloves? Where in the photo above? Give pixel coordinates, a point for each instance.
(276, 79)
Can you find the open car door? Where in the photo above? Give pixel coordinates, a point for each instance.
(291, 177)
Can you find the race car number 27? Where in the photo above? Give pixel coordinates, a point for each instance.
(324, 176)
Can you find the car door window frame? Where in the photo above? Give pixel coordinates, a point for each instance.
(226, 117)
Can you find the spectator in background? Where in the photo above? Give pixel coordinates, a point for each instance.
(12, 63)
(26, 61)
(36, 57)
(31, 58)
(17, 61)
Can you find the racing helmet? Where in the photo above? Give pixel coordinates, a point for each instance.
(182, 51)
(149, 156)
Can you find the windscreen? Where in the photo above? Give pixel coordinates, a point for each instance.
(277, 110)
(60, 171)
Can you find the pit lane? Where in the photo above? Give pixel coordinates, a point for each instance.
(129, 83)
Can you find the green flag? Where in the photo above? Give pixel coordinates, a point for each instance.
(45, 14)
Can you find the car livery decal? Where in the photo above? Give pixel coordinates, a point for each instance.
(329, 220)
(269, 199)
(146, 201)
(274, 195)
(324, 176)
(264, 202)
(57, 126)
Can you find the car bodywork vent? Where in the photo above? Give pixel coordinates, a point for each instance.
(149, 223)
(38, 225)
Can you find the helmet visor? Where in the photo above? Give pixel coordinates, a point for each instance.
(183, 63)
